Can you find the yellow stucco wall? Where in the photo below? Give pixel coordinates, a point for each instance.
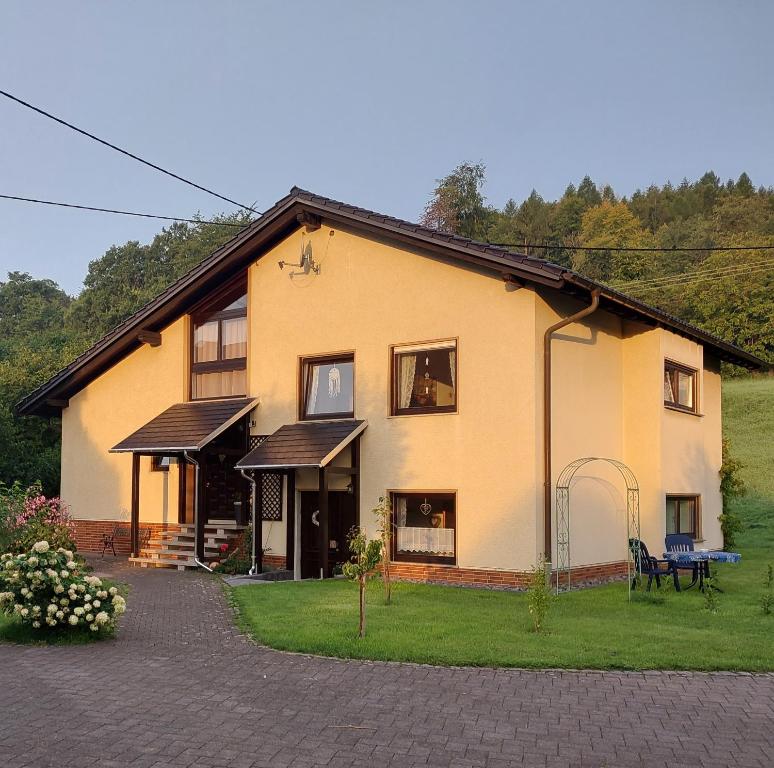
(369, 296)
(608, 401)
(97, 484)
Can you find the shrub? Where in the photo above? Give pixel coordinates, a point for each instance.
(539, 595)
(731, 486)
(710, 595)
(47, 589)
(27, 516)
(767, 601)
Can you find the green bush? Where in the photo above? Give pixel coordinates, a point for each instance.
(539, 595)
(731, 487)
(47, 589)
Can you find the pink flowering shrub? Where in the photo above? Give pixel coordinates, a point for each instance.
(27, 516)
(47, 589)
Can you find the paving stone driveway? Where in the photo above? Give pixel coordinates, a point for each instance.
(180, 687)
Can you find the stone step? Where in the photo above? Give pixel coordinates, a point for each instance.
(181, 565)
(212, 538)
(166, 554)
(214, 526)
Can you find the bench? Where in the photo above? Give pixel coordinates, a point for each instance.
(123, 532)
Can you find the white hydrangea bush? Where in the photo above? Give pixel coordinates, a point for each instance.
(47, 589)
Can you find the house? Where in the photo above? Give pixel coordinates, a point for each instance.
(328, 356)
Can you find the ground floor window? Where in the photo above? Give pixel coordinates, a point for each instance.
(682, 515)
(425, 526)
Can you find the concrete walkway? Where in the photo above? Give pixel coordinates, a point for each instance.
(181, 687)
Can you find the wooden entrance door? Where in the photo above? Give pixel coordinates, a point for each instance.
(225, 490)
(341, 518)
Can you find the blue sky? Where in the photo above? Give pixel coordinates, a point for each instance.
(365, 102)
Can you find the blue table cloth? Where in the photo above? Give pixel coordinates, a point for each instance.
(703, 556)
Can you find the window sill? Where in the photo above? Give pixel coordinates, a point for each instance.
(686, 411)
(424, 413)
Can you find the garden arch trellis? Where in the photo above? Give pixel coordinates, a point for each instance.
(563, 517)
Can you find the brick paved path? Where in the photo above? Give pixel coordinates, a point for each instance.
(180, 687)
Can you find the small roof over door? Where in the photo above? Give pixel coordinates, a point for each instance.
(306, 444)
(186, 426)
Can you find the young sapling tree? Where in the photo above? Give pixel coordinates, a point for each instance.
(365, 557)
(383, 513)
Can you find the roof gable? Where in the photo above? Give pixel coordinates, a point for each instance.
(301, 207)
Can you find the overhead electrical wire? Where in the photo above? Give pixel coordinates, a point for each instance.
(650, 249)
(648, 288)
(719, 271)
(124, 151)
(121, 213)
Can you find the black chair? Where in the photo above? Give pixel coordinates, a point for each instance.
(647, 565)
(679, 542)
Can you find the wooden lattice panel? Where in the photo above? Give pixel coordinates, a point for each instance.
(272, 496)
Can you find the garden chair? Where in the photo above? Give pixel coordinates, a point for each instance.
(679, 542)
(122, 532)
(647, 565)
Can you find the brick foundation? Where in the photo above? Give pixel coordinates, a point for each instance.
(495, 579)
(88, 534)
(274, 561)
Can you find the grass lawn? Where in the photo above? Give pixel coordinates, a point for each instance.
(592, 628)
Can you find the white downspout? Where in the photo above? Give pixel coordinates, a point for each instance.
(254, 505)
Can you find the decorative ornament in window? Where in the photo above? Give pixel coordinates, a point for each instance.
(334, 382)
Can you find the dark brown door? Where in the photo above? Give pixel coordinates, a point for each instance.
(341, 518)
(225, 492)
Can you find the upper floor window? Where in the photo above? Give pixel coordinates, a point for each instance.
(680, 389)
(682, 515)
(424, 378)
(219, 354)
(328, 387)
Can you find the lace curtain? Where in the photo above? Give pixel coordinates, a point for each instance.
(311, 402)
(408, 369)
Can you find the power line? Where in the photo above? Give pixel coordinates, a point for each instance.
(122, 213)
(123, 151)
(729, 268)
(647, 288)
(671, 249)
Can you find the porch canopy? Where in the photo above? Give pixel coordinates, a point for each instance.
(186, 426)
(181, 429)
(306, 445)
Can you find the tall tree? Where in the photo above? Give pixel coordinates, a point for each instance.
(457, 205)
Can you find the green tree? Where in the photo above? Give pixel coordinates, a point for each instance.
(365, 557)
(612, 225)
(457, 205)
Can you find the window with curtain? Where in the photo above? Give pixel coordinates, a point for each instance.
(682, 515)
(425, 527)
(680, 389)
(328, 387)
(219, 348)
(424, 378)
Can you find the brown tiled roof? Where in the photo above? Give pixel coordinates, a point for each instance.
(280, 220)
(306, 444)
(186, 426)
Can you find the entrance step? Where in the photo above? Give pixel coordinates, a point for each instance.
(160, 562)
(174, 547)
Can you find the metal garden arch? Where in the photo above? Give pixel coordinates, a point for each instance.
(563, 517)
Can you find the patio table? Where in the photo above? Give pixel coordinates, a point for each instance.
(702, 558)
